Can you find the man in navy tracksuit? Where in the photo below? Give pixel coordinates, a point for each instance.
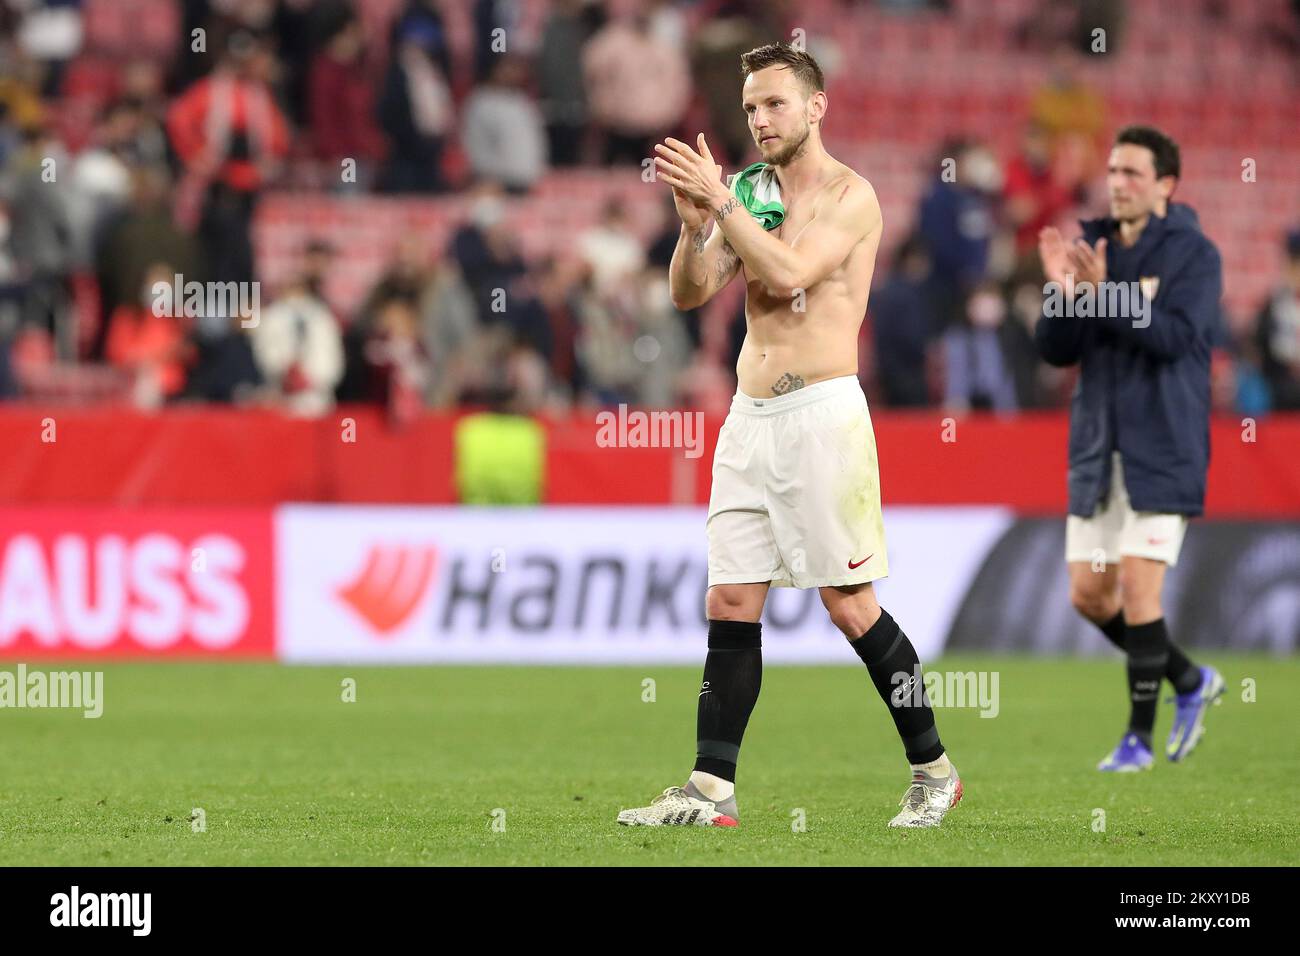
(1136, 303)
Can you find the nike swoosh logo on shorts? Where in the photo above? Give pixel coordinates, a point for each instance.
(854, 567)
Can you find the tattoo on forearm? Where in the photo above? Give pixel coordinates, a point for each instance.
(723, 211)
(726, 264)
(698, 238)
(788, 382)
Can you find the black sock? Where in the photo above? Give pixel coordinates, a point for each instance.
(1180, 671)
(888, 653)
(733, 673)
(1114, 630)
(1148, 655)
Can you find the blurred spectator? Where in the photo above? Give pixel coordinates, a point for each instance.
(956, 223)
(1066, 104)
(483, 247)
(415, 109)
(101, 181)
(975, 366)
(508, 374)
(526, 385)
(737, 27)
(423, 20)
(560, 279)
(1108, 16)
(607, 329)
(399, 368)
(563, 98)
(448, 330)
(1034, 195)
(1251, 395)
(302, 28)
(494, 20)
(503, 133)
(667, 20)
(638, 85)
(407, 276)
(40, 236)
(139, 236)
(143, 141)
(487, 254)
(1278, 335)
(225, 369)
(31, 357)
(13, 290)
(582, 314)
(632, 345)
(297, 342)
(447, 326)
(151, 344)
(342, 100)
(902, 327)
(662, 345)
(188, 63)
(8, 380)
(527, 318)
(231, 137)
(10, 310)
(1224, 385)
(51, 33)
(20, 103)
(1036, 382)
(611, 249)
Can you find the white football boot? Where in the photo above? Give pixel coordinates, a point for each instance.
(680, 806)
(927, 800)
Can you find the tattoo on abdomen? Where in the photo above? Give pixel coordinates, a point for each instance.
(787, 383)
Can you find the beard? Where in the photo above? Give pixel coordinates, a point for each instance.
(791, 150)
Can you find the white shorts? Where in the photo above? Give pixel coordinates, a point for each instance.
(1115, 530)
(796, 491)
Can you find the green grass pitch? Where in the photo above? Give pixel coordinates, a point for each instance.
(413, 772)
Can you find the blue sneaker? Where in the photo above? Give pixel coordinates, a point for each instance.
(1130, 756)
(1189, 716)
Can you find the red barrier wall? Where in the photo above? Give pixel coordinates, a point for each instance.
(212, 455)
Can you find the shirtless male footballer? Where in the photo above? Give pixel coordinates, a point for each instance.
(796, 493)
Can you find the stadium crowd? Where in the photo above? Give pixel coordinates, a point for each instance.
(265, 95)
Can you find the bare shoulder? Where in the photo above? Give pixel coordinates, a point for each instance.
(852, 198)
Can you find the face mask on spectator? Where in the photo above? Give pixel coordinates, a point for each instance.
(986, 310)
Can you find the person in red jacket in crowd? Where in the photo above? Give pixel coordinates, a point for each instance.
(231, 138)
(1038, 187)
(152, 345)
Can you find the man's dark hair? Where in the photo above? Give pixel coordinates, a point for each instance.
(1293, 244)
(1163, 149)
(804, 67)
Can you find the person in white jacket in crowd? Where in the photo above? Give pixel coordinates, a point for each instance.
(298, 343)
